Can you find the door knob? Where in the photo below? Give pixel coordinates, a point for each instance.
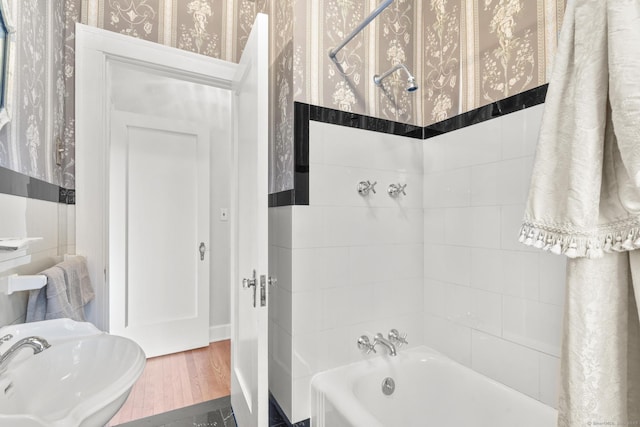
(252, 282)
(202, 249)
(247, 283)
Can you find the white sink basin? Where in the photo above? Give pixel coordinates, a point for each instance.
(81, 380)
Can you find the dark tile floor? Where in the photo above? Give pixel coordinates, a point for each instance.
(214, 413)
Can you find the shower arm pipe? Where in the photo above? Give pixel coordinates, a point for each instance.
(333, 52)
(378, 79)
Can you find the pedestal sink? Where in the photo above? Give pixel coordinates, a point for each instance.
(81, 380)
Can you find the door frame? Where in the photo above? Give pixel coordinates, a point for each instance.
(95, 48)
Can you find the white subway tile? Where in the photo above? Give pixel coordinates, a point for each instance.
(500, 183)
(458, 302)
(283, 268)
(397, 298)
(307, 314)
(434, 150)
(511, 222)
(514, 135)
(346, 306)
(447, 189)
(520, 132)
(511, 364)
(307, 229)
(434, 297)
(353, 226)
(280, 344)
(458, 228)
(283, 223)
(486, 227)
(451, 264)
(533, 324)
(368, 264)
(553, 272)
(400, 226)
(280, 309)
(533, 117)
(474, 308)
(449, 338)
(434, 225)
(473, 145)
(486, 312)
(487, 269)
(316, 142)
(549, 379)
(331, 185)
(309, 354)
(317, 268)
(368, 149)
(520, 273)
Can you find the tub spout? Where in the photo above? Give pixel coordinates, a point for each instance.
(380, 339)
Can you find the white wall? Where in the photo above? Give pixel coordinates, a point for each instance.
(491, 303)
(23, 217)
(346, 265)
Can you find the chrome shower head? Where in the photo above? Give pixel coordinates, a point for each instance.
(412, 86)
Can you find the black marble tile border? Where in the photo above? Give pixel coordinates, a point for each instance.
(18, 184)
(494, 110)
(303, 113)
(277, 417)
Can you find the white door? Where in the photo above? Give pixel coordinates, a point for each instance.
(249, 240)
(158, 232)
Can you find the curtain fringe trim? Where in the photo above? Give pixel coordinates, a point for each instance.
(574, 246)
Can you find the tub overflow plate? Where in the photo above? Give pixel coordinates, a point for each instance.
(388, 386)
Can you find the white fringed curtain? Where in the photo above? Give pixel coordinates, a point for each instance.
(584, 202)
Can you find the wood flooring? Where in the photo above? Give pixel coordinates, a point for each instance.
(178, 380)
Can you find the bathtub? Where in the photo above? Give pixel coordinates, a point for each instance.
(430, 391)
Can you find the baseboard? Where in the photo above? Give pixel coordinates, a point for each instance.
(219, 332)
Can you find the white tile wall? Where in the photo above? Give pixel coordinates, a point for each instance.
(22, 217)
(490, 302)
(442, 263)
(355, 263)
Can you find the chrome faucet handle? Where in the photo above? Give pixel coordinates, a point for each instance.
(365, 186)
(6, 338)
(395, 337)
(395, 190)
(364, 344)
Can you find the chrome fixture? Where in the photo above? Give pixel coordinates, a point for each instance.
(6, 338)
(36, 343)
(365, 186)
(411, 81)
(395, 190)
(379, 339)
(396, 338)
(388, 386)
(333, 52)
(364, 344)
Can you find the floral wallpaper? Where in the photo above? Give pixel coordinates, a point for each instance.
(32, 88)
(388, 40)
(442, 58)
(43, 112)
(508, 62)
(396, 45)
(464, 54)
(475, 52)
(138, 18)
